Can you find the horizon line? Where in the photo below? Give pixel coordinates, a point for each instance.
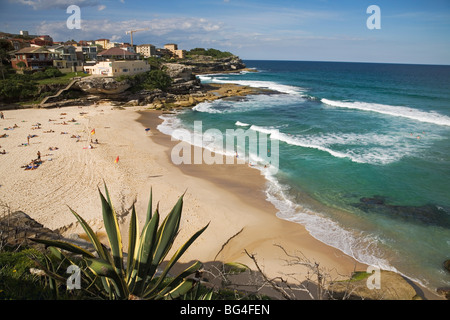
(338, 61)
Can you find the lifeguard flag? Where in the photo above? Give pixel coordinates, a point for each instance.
(117, 160)
(93, 131)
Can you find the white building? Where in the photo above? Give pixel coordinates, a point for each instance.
(118, 68)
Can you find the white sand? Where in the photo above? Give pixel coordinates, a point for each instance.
(71, 175)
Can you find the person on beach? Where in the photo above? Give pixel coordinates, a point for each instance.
(28, 139)
(2, 115)
(39, 155)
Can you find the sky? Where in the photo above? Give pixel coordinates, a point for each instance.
(411, 31)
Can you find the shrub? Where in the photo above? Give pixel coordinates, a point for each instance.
(209, 52)
(157, 79)
(17, 283)
(13, 90)
(53, 73)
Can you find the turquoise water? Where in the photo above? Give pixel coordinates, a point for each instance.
(364, 155)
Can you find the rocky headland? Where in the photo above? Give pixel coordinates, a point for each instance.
(186, 90)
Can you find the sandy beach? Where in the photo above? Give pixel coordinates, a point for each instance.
(229, 197)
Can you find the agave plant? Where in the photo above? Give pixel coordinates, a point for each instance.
(137, 278)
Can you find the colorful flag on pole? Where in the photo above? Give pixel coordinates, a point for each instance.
(117, 160)
(93, 131)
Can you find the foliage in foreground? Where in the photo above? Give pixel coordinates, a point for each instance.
(16, 281)
(107, 276)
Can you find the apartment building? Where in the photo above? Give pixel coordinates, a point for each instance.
(146, 50)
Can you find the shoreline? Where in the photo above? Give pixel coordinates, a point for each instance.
(246, 186)
(294, 235)
(215, 194)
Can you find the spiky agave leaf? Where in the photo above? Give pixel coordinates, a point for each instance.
(133, 239)
(151, 290)
(105, 269)
(143, 255)
(175, 282)
(180, 290)
(104, 254)
(166, 235)
(65, 246)
(113, 232)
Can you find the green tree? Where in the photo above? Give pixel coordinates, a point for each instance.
(157, 79)
(53, 73)
(5, 48)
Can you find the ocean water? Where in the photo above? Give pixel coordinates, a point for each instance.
(364, 155)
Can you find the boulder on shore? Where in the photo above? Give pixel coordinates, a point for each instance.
(392, 286)
(102, 85)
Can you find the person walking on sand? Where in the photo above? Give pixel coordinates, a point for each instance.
(2, 115)
(28, 139)
(39, 156)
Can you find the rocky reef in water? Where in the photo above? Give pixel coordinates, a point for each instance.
(427, 214)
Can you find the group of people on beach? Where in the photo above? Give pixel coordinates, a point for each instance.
(34, 164)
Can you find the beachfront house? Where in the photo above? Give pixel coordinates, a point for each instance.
(116, 54)
(65, 58)
(114, 68)
(34, 58)
(89, 53)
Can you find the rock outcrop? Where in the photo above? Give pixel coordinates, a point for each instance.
(17, 228)
(392, 286)
(102, 85)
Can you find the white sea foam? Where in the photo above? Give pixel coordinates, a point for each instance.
(258, 84)
(250, 103)
(241, 124)
(206, 107)
(375, 149)
(396, 111)
(362, 247)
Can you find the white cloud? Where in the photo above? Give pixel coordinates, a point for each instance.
(101, 7)
(61, 4)
(168, 28)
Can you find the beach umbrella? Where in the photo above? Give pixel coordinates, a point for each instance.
(117, 160)
(93, 132)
